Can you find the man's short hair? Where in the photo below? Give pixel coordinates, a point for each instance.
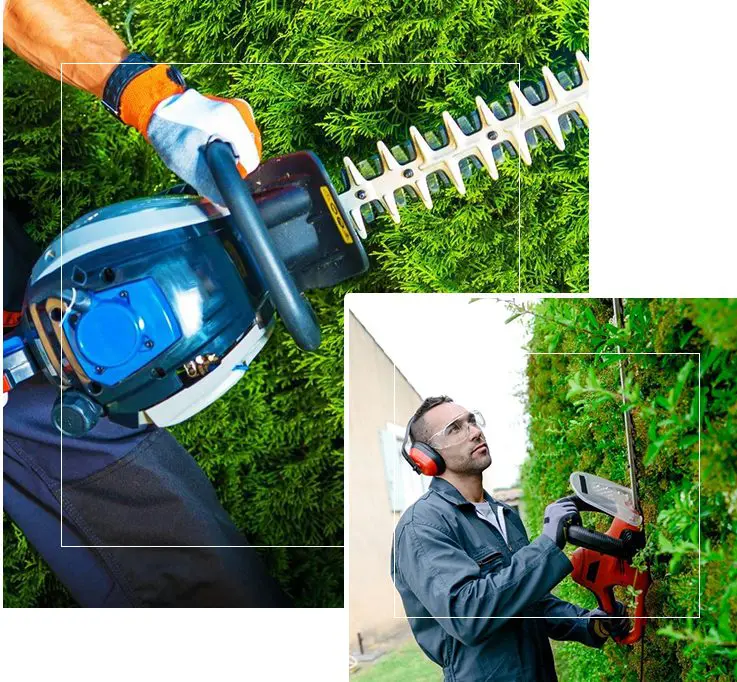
(419, 430)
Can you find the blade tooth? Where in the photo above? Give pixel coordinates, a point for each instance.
(486, 114)
(455, 134)
(387, 158)
(583, 66)
(422, 148)
(358, 222)
(555, 90)
(390, 204)
(487, 158)
(423, 191)
(454, 171)
(521, 103)
(582, 108)
(520, 144)
(552, 126)
(354, 175)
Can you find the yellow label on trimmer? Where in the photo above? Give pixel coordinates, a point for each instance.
(337, 218)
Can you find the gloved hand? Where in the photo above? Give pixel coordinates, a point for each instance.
(603, 625)
(558, 516)
(179, 123)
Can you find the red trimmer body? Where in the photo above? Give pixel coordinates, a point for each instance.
(601, 573)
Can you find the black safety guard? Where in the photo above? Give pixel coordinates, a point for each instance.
(293, 308)
(280, 187)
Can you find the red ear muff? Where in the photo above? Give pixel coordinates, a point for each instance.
(427, 461)
(421, 457)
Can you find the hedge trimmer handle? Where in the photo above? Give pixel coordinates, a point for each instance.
(598, 542)
(593, 539)
(293, 308)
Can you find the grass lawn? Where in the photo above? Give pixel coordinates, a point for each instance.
(407, 664)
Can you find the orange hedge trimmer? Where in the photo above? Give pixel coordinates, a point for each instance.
(602, 561)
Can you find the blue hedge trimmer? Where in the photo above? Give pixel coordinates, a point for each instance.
(149, 310)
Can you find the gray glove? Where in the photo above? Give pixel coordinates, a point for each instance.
(602, 624)
(558, 516)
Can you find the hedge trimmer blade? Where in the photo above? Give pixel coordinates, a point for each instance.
(419, 167)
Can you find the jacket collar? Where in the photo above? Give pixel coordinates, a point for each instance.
(450, 493)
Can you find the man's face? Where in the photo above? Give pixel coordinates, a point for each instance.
(452, 431)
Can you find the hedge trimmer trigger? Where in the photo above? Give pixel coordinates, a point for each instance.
(602, 561)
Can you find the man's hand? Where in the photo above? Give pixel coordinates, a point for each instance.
(558, 516)
(179, 123)
(604, 625)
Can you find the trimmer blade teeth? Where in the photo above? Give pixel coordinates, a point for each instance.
(455, 134)
(354, 175)
(358, 222)
(387, 158)
(423, 150)
(521, 104)
(486, 156)
(455, 175)
(499, 127)
(390, 204)
(423, 191)
(583, 66)
(518, 140)
(555, 90)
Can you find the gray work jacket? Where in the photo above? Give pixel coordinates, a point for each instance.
(454, 570)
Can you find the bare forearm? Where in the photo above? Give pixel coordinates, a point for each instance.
(47, 33)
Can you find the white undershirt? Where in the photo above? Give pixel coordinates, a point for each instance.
(484, 510)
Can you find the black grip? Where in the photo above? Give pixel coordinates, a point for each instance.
(599, 542)
(294, 310)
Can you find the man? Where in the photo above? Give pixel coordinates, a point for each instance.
(475, 590)
(140, 523)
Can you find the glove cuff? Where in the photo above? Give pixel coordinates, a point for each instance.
(137, 86)
(599, 629)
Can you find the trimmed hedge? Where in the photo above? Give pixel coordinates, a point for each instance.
(576, 424)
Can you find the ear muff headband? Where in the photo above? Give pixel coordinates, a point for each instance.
(421, 457)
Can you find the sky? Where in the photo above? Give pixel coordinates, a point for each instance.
(446, 344)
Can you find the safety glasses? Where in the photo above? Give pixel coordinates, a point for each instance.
(458, 430)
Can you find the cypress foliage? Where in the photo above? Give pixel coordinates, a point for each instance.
(576, 425)
(273, 445)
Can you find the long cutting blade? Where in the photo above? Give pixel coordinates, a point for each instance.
(628, 426)
(450, 159)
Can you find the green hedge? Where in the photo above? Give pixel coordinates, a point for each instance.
(278, 467)
(576, 424)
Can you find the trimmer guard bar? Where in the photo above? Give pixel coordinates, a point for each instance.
(611, 498)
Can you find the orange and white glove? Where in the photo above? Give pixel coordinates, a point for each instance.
(179, 123)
